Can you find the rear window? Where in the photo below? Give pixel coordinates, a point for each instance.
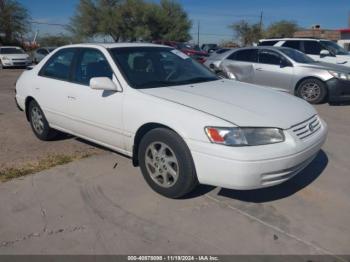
(268, 43)
(11, 50)
(249, 55)
(293, 44)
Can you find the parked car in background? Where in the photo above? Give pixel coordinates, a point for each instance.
(214, 60)
(210, 47)
(41, 52)
(318, 49)
(174, 118)
(13, 56)
(289, 69)
(193, 51)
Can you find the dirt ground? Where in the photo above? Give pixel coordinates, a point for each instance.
(18, 145)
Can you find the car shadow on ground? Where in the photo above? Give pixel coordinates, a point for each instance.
(347, 103)
(297, 183)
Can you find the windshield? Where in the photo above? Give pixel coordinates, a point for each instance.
(11, 50)
(334, 48)
(297, 56)
(149, 67)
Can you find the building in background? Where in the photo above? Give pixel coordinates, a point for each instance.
(341, 36)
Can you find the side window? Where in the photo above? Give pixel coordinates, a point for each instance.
(268, 43)
(91, 63)
(249, 55)
(269, 57)
(312, 47)
(293, 44)
(59, 65)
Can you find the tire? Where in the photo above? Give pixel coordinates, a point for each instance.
(312, 90)
(1, 65)
(165, 155)
(39, 124)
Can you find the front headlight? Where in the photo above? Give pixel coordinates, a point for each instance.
(340, 75)
(244, 136)
(5, 58)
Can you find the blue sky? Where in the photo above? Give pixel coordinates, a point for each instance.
(215, 16)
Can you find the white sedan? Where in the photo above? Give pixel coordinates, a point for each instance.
(174, 118)
(13, 56)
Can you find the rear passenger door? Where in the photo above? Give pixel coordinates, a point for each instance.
(97, 113)
(273, 70)
(240, 64)
(53, 87)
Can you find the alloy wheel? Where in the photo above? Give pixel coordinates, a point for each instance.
(162, 164)
(37, 120)
(310, 91)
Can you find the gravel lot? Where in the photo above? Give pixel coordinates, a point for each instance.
(90, 207)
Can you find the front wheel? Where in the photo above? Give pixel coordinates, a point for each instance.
(39, 123)
(313, 91)
(166, 163)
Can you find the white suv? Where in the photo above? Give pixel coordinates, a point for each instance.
(318, 49)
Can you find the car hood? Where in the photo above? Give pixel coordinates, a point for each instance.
(239, 103)
(328, 66)
(15, 56)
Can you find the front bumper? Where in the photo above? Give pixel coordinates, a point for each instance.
(339, 90)
(255, 167)
(11, 63)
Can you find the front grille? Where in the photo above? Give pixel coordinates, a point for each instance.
(307, 127)
(19, 59)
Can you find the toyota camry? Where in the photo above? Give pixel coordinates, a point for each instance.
(174, 118)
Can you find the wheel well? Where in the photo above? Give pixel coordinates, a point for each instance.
(28, 100)
(143, 130)
(303, 79)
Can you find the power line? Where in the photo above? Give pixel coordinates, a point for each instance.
(45, 23)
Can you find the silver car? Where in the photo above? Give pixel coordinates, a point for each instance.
(41, 52)
(287, 69)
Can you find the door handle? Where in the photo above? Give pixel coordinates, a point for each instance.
(71, 98)
(259, 69)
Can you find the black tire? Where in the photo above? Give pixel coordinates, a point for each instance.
(45, 133)
(186, 179)
(222, 74)
(1, 65)
(313, 98)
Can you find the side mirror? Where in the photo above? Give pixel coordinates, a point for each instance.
(284, 63)
(103, 83)
(324, 53)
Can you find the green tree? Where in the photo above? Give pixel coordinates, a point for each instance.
(14, 20)
(131, 20)
(247, 33)
(54, 40)
(282, 28)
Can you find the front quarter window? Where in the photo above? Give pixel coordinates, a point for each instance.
(149, 67)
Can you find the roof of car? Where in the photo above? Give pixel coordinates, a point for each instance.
(295, 38)
(116, 45)
(264, 47)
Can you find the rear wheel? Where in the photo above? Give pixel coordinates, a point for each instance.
(312, 90)
(166, 163)
(39, 124)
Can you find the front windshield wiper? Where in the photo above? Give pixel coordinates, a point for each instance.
(197, 80)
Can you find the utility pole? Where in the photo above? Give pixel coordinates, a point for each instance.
(199, 24)
(261, 20)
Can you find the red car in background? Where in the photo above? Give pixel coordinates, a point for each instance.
(193, 51)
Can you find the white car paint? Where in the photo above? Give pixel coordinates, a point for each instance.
(12, 60)
(113, 120)
(338, 59)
